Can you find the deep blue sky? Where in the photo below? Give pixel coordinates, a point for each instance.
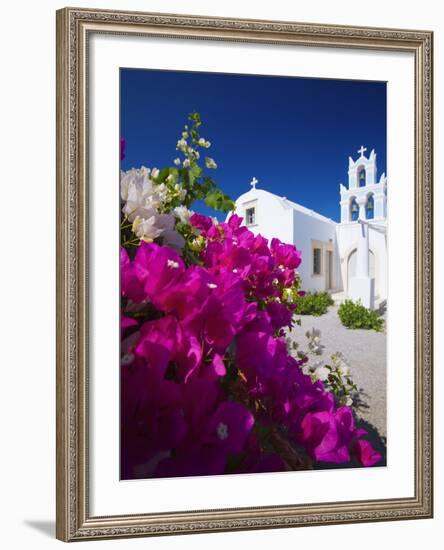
(293, 134)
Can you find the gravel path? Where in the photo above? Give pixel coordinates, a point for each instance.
(365, 351)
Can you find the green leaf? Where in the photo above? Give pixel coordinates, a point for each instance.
(227, 205)
(214, 198)
(210, 182)
(163, 174)
(195, 170)
(183, 173)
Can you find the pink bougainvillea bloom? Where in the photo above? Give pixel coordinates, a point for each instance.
(153, 422)
(229, 427)
(256, 460)
(280, 315)
(330, 436)
(365, 453)
(259, 246)
(227, 256)
(159, 269)
(269, 357)
(126, 323)
(321, 437)
(201, 222)
(131, 287)
(285, 254)
(213, 327)
(186, 293)
(261, 322)
(218, 365)
(159, 342)
(188, 357)
(177, 416)
(234, 222)
(122, 148)
(221, 433)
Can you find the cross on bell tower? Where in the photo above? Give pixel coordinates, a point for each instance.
(362, 150)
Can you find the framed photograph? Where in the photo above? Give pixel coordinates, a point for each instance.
(244, 274)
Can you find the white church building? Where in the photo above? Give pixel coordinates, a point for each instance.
(347, 259)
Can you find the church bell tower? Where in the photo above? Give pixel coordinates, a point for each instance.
(365, 197)
(363, 213)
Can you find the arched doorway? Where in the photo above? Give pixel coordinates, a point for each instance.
(351, 267)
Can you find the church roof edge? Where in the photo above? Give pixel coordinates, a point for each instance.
(253, 194)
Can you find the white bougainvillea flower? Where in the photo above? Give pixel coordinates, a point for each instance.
(181, 192)
(142, 197)
(150, 228)
(193, 153)
(177, 161)
(341, 364)
(161, 193)
(158, 225)
(321, 372)
(183, 213)
(138, 192)
(204, 143)
(210, 163)
(134, 179)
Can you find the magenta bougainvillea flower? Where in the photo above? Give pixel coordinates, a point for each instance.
(285, 254)
(122, 148)
(206, 375)
(365, 453)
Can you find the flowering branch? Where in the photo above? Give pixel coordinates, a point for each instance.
(157, 203)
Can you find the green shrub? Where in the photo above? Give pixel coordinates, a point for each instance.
(355, 315)
(314, 303)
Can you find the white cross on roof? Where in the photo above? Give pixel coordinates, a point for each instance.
(253, 182)
(362, 150)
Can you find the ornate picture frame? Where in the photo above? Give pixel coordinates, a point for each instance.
(74, 28)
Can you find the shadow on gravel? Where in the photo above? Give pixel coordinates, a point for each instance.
(360, 402)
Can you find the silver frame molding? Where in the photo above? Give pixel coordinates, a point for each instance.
(74, 521)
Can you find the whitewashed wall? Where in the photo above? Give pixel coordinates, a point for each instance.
(307, 228)
(272, 219)
(348, 234)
